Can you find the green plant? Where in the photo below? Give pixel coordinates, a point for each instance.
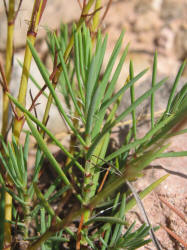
(89, 93)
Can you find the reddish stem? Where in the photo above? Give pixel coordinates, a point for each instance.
(78, 244)
(175, 236)
(174, 209)
(104, 179)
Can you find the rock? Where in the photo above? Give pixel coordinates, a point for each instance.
(146, 37)
(166, 63)
(157, 4)
(146, 22)
(173, 9)
(165, 40)
(181, 43)
(143, 6)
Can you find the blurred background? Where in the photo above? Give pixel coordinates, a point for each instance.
(149, 25)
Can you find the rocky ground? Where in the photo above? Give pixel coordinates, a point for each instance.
(149, 25)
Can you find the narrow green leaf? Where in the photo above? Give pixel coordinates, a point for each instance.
(91, 112)
(42, 218)
(81, 56)
(106, 219)
(144, 193)
(137, 142)
(120, 117)
(108, 70)
(37, 166)
(65, 72)
(139, 100)
(106, 238)
(45, 203)
(64, 34)
(34, 80)
(180, 132)
(132, 93)
(179, 98)
(174, 87)
(58, 193)
(98, 155)
(17, 150)
(33, 118)
(109, 92)
(107, 103)
(16, 197)
(104, 243)
(87, 47)
(93, 73)
(43, 225)
(14, 156)
(26, 154)
(22, 165)
(45, 76)
(58, 239)
(1, 180)
(116, 202)
(99, 93)
(46, 151)
(11, 171)
(77, 67)
(175, 119)
(111, 85)
(117, 230)
(129, 230)
(153, 84)
(50, 43)
(173, 154)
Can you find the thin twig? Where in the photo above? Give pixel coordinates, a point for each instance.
(4, 81)
(106, 11)
(174, 235)
(79, 4)
(84, 5)
(78, 244)
(6, 8)
(104, 179)
(34, 106)
(146, 219)
(4, 85)
(91, 15)
(16, 12)
(117, 171)
(174, 209)
(36, 97)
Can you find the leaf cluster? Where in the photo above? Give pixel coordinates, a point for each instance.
(90, 176)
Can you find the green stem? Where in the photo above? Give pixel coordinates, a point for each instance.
(153, 84)
(9, 62)
(31, 36)
(132, 92)
(8, 71)
(96, 16)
